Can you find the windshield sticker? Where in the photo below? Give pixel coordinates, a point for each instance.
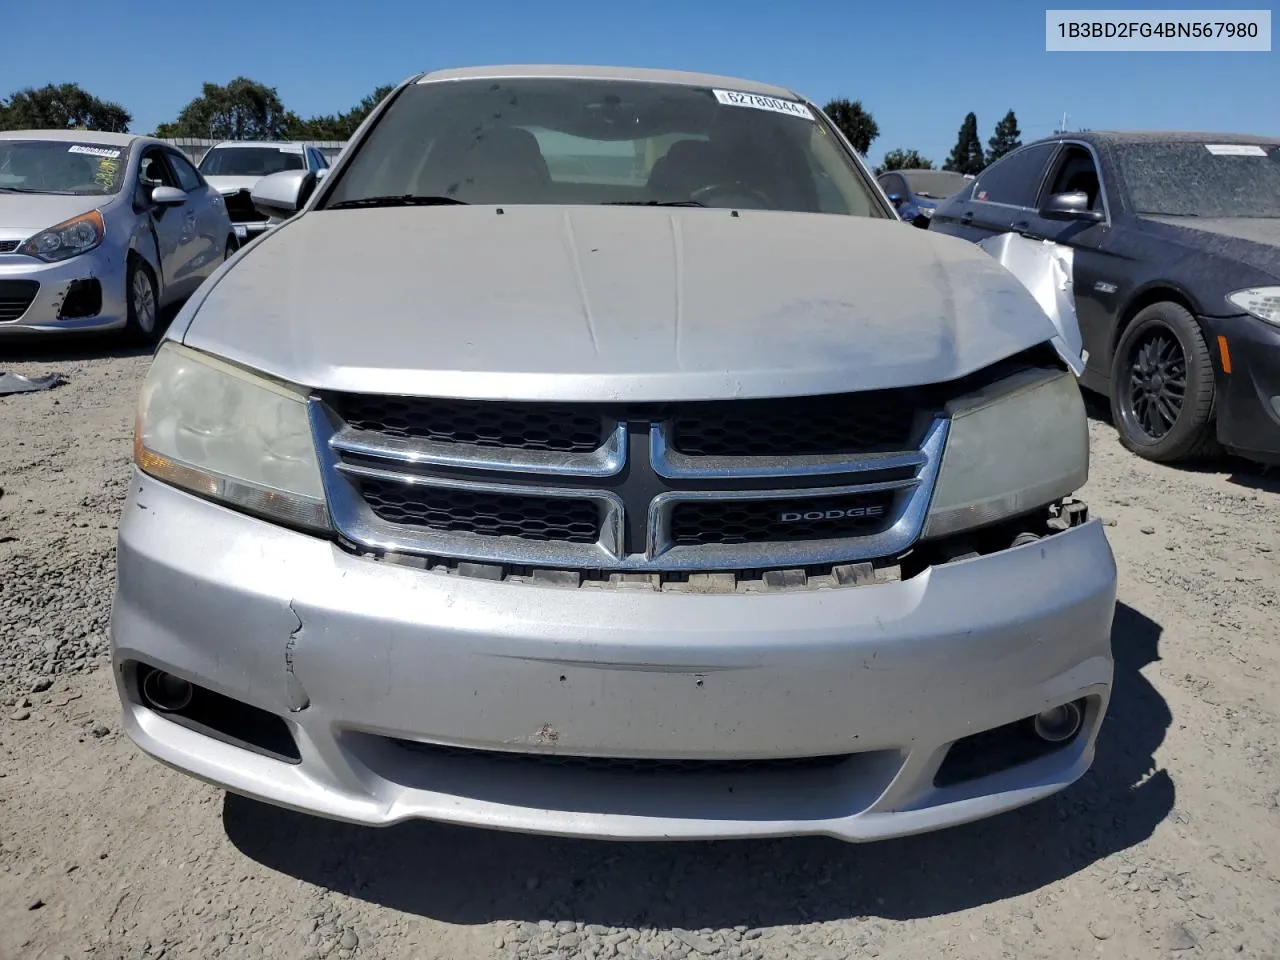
(1235, 149)
(289, 148)
(732, 98)
(95, 151)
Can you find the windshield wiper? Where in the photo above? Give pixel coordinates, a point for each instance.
(654, 203)
(59, 193)
(403, 200)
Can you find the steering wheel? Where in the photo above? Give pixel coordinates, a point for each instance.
(733, 187)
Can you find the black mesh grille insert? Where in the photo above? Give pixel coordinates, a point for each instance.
(625, 764)
(15, 297)
(8, 246)
(800, 426)
(488, 514)
(523, 427)
(699, 523)
(240, 208)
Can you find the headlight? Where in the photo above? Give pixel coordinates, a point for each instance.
(67, 239)
(1016, 445)
(229, 435)
(1261, 302)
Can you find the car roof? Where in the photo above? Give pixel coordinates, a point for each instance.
(258, 143)
(1159, 136)
(642, 74)
(73, 136)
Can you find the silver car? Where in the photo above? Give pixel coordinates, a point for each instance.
(101, 231)
(596, 453)
(233, 167)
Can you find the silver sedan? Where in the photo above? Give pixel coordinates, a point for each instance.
(101, 231)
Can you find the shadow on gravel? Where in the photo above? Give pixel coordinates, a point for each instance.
(466, 876)
(67, 347)
(1235, 470)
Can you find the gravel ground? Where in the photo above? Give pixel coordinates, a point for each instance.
(1170, 846)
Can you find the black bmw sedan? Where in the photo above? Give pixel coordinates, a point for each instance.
(1176, 250)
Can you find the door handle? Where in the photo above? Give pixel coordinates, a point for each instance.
(1022, 227)
(966, 217)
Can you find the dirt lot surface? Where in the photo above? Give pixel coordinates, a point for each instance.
(1170, 846)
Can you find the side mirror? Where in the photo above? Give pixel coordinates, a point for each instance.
(1070, 206)
(283, 194)
(168, 196)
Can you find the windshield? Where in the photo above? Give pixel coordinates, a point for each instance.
(61, 166)
(577, 141)
(1194, 179)
(936, 184)
(250, 161)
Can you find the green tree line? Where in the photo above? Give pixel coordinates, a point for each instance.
(245, 109)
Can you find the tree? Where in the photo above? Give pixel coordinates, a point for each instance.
(854, 122)
(901, 159)
(242, 110)
(966, 155)
(1007, 138)
(62, 106)
(339, 126)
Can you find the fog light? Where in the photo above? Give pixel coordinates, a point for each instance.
(1058, 724)
(165, 692)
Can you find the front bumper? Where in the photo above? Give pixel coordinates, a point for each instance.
(358, 656)
(43, 315)
(1248, 398)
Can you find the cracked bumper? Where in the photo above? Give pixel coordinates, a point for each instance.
(104, 264)
(888, 674)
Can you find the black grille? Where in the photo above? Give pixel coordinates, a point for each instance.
(488, 514)
(83, 299)
(842, 424)
(240, 208)
(701, 523)
(625, 764)
(15, 297)
(525, 427)
(8, 246)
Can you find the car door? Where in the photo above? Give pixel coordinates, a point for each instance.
(172, 227)
(1004, 195)
(1097, 273)
(212, 226)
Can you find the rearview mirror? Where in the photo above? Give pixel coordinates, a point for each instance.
(1070, 206)
(283, 194)
(168, 196)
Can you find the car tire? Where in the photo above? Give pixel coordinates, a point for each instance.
(232, 247)
(1162, 388)
(142, 301)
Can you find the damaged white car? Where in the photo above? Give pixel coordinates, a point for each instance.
(577, 461)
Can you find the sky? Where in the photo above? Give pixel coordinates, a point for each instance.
(918, 67)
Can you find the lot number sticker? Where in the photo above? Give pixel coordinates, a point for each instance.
(1235, 149)
(732, 98)
(95, 151)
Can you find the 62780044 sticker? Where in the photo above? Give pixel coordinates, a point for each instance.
(734, 98)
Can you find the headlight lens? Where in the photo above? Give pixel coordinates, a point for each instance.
(1016, 445)
(229, 435)
(67, 239)
(1261, 302)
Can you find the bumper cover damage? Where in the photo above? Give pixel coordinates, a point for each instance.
(405, 690)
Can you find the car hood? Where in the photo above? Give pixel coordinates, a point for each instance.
(23, 214)
(1254, 241)
(230, 185)
(612, 304)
